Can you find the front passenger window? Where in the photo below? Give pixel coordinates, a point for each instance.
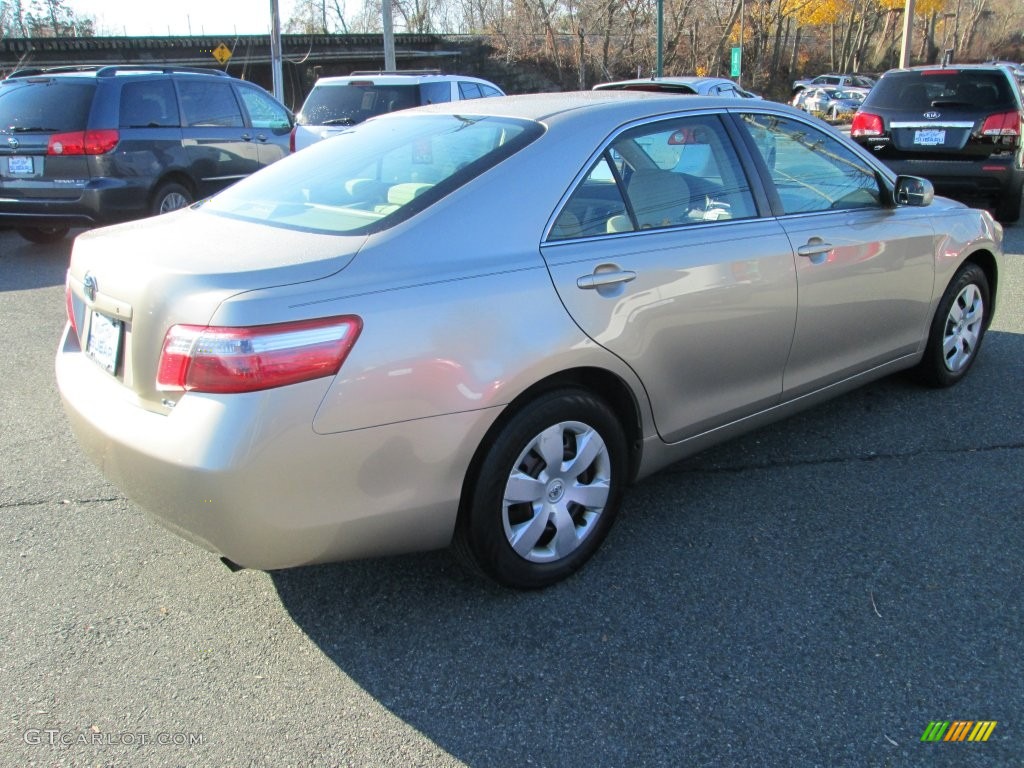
(811, 170)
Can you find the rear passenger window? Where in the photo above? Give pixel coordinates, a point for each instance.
(209, 105)
(436, 93)
(150, 104)
(470, 90)
(673, 173)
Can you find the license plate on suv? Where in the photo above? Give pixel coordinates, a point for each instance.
(929, 137)
(104, 342)
(20, 166)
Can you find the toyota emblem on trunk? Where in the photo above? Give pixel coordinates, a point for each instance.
(89, 284)
(12, 142)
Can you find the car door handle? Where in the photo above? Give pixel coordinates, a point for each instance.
(814, 247)
(246, 137)
(601, 279)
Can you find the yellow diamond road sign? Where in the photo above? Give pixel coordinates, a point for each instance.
(221, 53)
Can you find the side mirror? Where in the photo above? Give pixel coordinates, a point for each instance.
(913, 190)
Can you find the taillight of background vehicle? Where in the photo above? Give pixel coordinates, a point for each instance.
(223, 360)
(83, 142)
(1005, 124)
(866, 124)
(291, 139)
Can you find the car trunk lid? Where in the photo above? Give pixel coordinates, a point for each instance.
(130, 283)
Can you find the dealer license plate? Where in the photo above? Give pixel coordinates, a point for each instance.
(20, 166)
(929, 137)
(104, 342)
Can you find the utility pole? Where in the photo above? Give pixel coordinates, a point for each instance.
(908, 34)
(276, 68)
(389, 37)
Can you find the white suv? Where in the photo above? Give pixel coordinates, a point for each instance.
(338, 102)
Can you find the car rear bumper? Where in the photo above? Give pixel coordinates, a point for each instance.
(106, 201)
(957, 178)
(245, 476)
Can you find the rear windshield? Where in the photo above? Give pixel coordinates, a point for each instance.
(966, 89)
(45, 105)
(373, 176)
(352, 103)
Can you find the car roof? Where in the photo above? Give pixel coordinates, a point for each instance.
(613, 105)
(689, 80)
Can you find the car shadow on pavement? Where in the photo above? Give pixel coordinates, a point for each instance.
(789, 594)
(25, 266)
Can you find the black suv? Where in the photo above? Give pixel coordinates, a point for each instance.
(960, 126)
(84, 146)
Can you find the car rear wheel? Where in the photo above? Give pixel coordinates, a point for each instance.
(546, 492)
(44, 235)
(170, 197)
(957, 328)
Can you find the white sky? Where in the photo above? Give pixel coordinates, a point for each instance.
(174, 17)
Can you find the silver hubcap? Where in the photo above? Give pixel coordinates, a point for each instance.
(173, 202)
(556, 492)
(963, 328)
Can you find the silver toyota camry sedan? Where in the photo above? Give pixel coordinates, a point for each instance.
(474, 324)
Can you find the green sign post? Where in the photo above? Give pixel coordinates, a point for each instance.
(737, 61)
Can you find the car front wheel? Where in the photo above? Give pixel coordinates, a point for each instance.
(546, 492)
(957, 328)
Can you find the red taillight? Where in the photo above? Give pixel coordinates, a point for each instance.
(866, 124)
(198, 358)
(1003, 124)
(291, 138)
(83, 142)
(70, 306)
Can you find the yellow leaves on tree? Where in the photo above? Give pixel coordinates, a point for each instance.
(814, 12)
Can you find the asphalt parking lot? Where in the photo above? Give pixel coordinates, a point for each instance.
(813, 594)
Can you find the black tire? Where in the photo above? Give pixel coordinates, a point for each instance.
(44, 235)
(957, 329)
(1008, 206)
(556, 533)
(170, 196)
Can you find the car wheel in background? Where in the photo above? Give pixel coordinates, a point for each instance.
(546, 492)
(43, 235)
(170, 197)
(957, 328)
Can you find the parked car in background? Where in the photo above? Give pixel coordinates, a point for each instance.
(832, 104)
(84, 146)
(834, 81)
(337, 358)
(959, 125)
(335, 103)
(688, 85)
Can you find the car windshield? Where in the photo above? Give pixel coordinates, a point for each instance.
(351, 103)
(374, 175)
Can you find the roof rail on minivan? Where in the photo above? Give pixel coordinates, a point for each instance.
(35, 71)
